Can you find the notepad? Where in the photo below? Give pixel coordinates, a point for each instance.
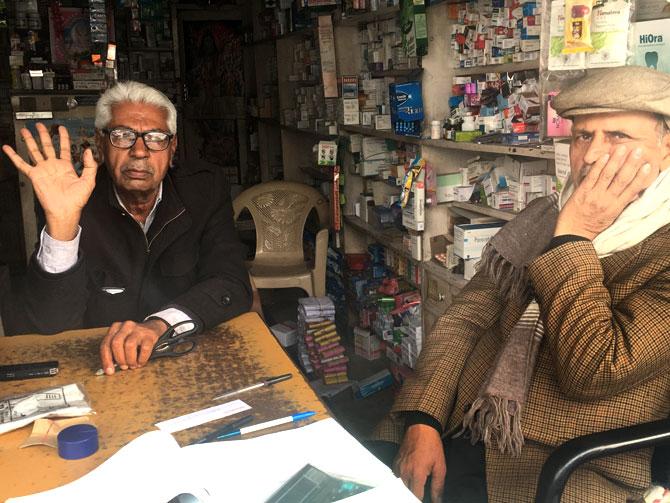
(202, 416)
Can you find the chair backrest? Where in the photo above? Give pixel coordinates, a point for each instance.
(279, 210)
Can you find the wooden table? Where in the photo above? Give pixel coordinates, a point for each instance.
(129, 403)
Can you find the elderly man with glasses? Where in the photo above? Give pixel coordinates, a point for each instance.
(136, 246)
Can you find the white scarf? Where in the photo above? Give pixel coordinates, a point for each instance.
(638, 221)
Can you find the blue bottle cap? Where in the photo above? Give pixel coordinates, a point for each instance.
(77, 441)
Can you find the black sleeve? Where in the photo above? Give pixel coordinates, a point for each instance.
(416, 417)
(557, 241)
(31, 308)
(223, 290)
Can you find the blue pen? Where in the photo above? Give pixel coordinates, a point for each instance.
(268, 424)
(225, 429)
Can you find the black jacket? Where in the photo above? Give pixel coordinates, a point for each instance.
(190, 259)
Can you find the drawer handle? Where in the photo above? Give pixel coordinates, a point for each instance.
(440, 297)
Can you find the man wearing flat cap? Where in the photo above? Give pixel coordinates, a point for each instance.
(565, 328)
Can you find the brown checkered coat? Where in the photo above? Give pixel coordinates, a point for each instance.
(604, 363)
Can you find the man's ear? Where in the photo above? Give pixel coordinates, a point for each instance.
(665, 149)
(173, 149)
(99, 146)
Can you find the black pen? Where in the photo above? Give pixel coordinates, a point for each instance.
(268, 381)
(235, 425)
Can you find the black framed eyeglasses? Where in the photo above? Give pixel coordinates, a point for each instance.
(122, 137)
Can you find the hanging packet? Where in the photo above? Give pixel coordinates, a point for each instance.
(578, 26)
(609, 33)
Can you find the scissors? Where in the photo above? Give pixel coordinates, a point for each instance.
(172, 343)
(169, 344)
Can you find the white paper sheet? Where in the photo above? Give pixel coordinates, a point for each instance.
(144, 468)
(202, 416)
(155, 469)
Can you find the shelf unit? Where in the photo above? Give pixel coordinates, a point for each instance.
(436, 72)
(439, 284)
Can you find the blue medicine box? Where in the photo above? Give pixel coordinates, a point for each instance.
(406, 101)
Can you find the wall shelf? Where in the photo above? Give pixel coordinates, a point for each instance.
(504, 68)
(506, 215)
(391, 238)
(380, 133)
(368, 17)
(534, 151)
(271, 40)
(308, 132)
(400, 72)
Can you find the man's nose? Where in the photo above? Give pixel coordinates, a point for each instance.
(139, 150)
(597, 148)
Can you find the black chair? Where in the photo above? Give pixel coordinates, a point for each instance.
(569, 456)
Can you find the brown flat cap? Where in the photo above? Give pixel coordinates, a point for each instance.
(620, 89)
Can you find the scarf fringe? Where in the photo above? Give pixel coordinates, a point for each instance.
(512, 282)
(494, 419)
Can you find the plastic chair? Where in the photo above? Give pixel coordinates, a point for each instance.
(279, 211)
(570, 455)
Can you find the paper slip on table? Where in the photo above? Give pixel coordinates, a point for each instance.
(129, 403)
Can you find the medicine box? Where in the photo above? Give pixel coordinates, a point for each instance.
(406, 101)
(285, 332)
(470, 239)
(382, 121)
(376, 382)
(470, 268)
(446, 185)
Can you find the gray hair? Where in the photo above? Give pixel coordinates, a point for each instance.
(133, 92)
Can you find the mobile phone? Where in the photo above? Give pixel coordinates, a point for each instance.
(28, 370)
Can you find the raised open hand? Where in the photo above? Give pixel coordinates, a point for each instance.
(61, 192)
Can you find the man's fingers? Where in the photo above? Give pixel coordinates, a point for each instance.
(146, 349)
(45, 140)
(20, 164)
(644, 177)
(90, 166)
(611, 168)
(591, 177)
(627, 173)
(437, 484)
(106, 349)
(130, 345)
(31, 146)
(417, 484)
(64, 143)
(118, 344)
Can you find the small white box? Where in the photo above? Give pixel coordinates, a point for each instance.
(350, 106)
(367, 118)
(464, 192)
(350, 118)
(382, 121)
(470, 239)
(470, 268)
(530, 45)
(286, 333)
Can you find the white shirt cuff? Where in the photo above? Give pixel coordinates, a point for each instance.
(172, 316)
(56, 256)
